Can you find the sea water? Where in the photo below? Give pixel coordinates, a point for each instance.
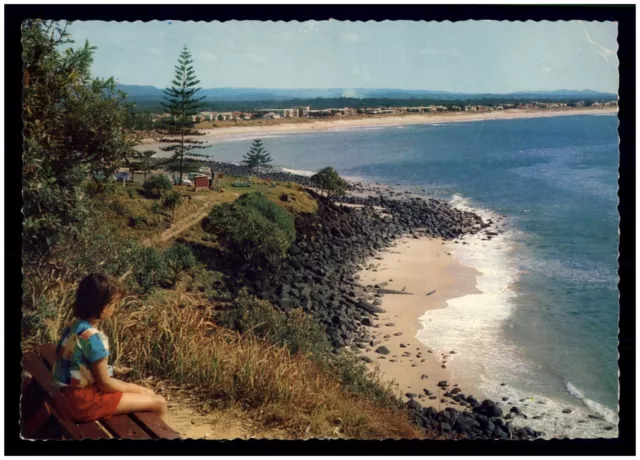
(546, 322)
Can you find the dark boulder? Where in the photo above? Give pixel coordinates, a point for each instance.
(382, 350)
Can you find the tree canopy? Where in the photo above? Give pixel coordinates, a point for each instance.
(329, 182)
(73, 129)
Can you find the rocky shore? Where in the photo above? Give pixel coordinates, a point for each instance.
(320, 275)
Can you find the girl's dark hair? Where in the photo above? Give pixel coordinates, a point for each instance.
(95, 292)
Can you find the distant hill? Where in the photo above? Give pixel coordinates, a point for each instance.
(148, 96)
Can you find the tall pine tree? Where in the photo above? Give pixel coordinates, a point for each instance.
(258, 157)
(181, 105)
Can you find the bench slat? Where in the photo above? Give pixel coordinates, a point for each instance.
(123, 427)
(41, 375)
(157, 427)
(48, 352)
(92, 430)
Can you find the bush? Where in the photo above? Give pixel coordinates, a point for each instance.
(138, 221)
(155, 208)
(209, 283)
(296, 330)
(329, 181)
(157, 185)
(177, 259)
(253, 229)
(276, 214)
(171, 201)
(148, 267)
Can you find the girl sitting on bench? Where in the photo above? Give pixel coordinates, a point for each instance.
(81, 368)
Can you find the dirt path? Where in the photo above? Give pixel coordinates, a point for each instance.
(183, 224)
(186, 417)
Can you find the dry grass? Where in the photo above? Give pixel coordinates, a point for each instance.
(120, 207)
(170, 336)
(229, 370)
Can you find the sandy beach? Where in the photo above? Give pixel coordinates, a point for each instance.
(417, 267)
(338, 124)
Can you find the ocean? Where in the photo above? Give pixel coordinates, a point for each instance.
(546, 323)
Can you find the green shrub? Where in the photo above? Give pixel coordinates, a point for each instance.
(171, 201)
(253, 228)
(297, 330)
(209, 283)
(157, 185)
(155, 208)
(177, 259)
(138, 221)
(148, 267)
(276, 214)
(329, 182)
(131, 192)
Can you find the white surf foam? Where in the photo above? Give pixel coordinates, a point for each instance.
(298, 172)
(474, 326)
(608, 414)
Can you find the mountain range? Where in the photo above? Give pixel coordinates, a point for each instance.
(151, 93)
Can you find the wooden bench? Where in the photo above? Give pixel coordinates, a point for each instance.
(45, 414)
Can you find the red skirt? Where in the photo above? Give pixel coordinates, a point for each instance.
(90, 403)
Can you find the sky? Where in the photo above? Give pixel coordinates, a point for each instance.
(470, 56)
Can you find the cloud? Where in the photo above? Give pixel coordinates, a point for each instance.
(546, 69)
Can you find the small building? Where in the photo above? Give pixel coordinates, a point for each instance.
(201, 181)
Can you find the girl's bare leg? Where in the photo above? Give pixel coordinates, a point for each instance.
(134, 402)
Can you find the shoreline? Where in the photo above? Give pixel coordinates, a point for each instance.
(421, 265)
(418, 267)
(355, 123)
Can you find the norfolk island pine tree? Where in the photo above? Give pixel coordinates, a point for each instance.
(182, 105)
(258, 157)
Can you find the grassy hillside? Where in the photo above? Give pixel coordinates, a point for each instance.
(278, 369)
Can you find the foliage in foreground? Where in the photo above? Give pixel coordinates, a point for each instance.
(73, 129)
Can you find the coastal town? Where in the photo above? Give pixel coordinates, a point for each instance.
(308, 112)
